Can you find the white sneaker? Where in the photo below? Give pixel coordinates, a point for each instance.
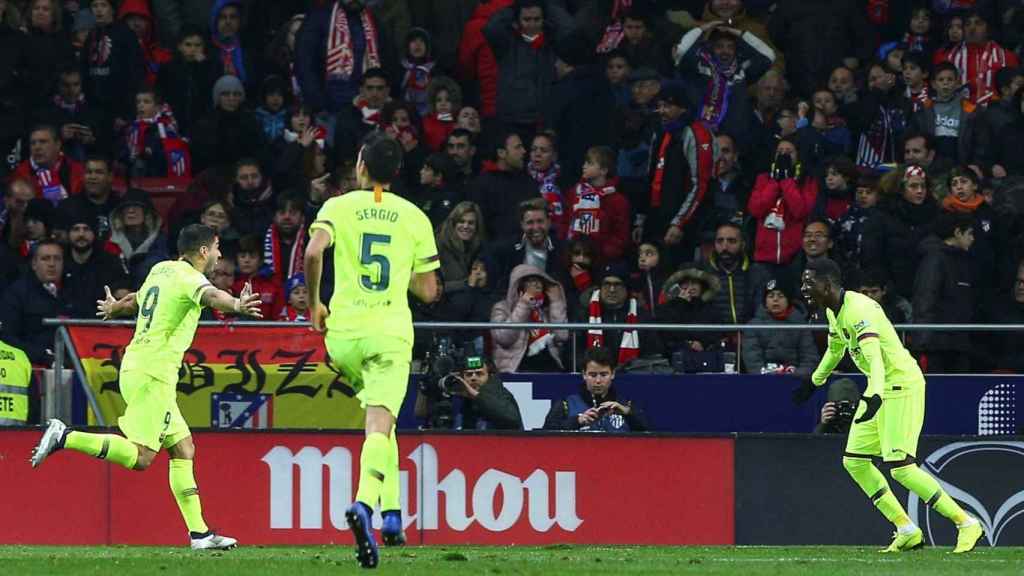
(49, 442)
(214, 542)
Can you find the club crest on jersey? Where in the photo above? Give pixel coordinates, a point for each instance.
(860, 326)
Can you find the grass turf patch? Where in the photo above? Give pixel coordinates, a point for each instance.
(551, 560)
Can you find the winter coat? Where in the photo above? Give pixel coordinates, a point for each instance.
(525, 73)
(892, 237)
(495, 408)
(510, 344)
(140, 257)
(650, 341)
(563, 417)
(498, 193)
(701, 310)
(45, 55)
(790, 200)
(1009, 143)
(799, 28)
(943, 294)
(608, 224)
(476, 59)
(154, 55)
(114, 68)
(244, 58)
(186, 87)
(222, 138)
(734, 301)
(172, 16)
(577, 110)
(25, 304)
(334, 94)
(784, 347)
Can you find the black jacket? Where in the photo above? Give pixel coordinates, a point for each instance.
(559, 418)
(495, 405)
(187, 87)
(891, 239)
(83, 283)
(113, 68)
(499, 193)
(222, 138)
(578, 113)
(25, 304)
(504, 255)
(943, 294)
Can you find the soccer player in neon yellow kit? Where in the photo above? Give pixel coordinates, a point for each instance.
(383, 248)
(168, 306)
(888, 419)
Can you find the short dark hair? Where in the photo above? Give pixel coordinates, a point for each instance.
(943, 66)
(190, 30)
(44, 242)
(461, 133)
(822, 221)
(498, 141)
(918, 59)
(599, 355)
(874, 277)
(250, 244)
(375, 73)
(97, 157)
(45, 128)
(247, 161)
(929, 140)
(963, 171)
(521, 5)
(826, 268)
(604, 157)
(382, 156)
(949, 223)
(195, 236)
(442, 164)
(290, 199)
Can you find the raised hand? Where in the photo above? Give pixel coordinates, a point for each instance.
(105, 307)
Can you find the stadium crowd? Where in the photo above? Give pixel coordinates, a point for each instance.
(665, 161)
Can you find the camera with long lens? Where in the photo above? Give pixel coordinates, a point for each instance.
(444, 361)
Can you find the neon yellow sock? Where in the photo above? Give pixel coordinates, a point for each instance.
(373, 468)
(183, 486)
(109, 447)
(391, 492)
(928, 490)
(873, 483)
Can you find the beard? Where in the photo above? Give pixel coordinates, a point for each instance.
(210, 268)
(728, 258)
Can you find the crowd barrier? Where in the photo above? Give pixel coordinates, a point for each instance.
(274, 488)
(274, 376)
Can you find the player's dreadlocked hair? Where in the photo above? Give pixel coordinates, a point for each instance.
(826, 268)
(195, 236)
(382, 156)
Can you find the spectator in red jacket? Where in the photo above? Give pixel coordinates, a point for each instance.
(598, 209)
(136, 15)
(249, 258)
(781, 201)
(444, 99)
(55, 175)
(476, 60)
(977, 58)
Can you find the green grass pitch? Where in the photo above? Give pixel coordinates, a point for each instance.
(548, 561)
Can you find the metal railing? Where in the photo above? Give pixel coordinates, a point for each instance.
(63, 344)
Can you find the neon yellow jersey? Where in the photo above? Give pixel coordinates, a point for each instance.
(378, 246)
(862, 329)
(169, 309)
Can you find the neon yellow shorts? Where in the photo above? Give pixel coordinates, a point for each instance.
(893, 432)
(377, 368)
(151, 417)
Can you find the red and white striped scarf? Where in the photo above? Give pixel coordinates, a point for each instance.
(340, 56)
(585, 218)
(48, 180)
(541, 337)
(613, 33)
(920, 99)
(629, 349)
(273, 259)
(978, 66)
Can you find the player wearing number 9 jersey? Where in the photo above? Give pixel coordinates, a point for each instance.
(168, 307)
(383, 249)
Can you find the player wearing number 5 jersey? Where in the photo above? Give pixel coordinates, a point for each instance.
(888, 419)
(383, 249)
(168, 307)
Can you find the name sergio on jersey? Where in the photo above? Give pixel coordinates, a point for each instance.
(379, 214)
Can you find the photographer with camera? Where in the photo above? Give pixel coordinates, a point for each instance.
(463, 392)
(837, 413)
(597, 407)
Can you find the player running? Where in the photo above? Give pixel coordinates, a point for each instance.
(168, 306)
(383, 248)
(888, 420)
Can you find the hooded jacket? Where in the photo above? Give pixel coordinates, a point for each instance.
(510, 344)
(220, 49)
(139, 253)
(675, 310)
(153, 53)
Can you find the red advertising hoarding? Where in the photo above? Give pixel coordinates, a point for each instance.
(293, 488)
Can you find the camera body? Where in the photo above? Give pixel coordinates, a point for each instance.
(444, 361)
(844, 411)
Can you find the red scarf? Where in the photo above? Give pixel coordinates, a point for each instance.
(340, 56)
(537, 42)
(659, 170)
(48, 180)
(920, 99)
(290, 314)
(953, 204)
(630, 346)
(586, 209)
(371, 116)
(978, 66)
(540, 338)
(705, 171)
(176, 151)
(272, 259)
(613, 33)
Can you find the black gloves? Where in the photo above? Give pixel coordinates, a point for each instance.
(804, 391)
(782, 168)
(874, 403)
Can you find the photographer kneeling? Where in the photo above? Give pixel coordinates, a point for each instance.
(837, 413)
(471, 397)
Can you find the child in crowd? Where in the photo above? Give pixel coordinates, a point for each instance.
(951, 118)
(297, 309)
(915, 76)
(616, 71)
(153, 147)
(249, 259)
(419, 66)
(272, 114)
(651, 276)
(918, 38)
(840, 176)
(597, 209)
(437, 197)
(187, 81)
(850, 228)
(444, 98)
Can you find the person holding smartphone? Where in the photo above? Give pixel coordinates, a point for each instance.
(597, 407)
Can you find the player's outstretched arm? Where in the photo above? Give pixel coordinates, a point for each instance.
(248, 303)
(314, 265)
(111, 307)
(425, 286)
